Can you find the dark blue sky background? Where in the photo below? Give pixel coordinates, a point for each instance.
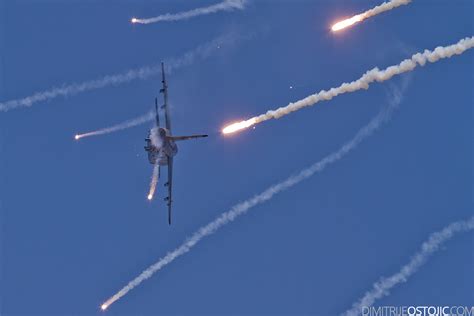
(75, 224)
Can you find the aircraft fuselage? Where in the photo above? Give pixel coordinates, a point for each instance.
(159, 146)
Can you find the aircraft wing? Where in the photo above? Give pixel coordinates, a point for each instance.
(177, 138)
(164, 90)
(170, 187)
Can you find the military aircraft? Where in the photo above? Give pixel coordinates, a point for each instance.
(161, 144)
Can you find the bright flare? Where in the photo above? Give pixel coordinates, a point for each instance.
(225, 5)
(245, 206)
(104, 307)
(150, 116)
(154, 181)
(347, 22)
(386, 6)
(134, 20)
(363, 83)
(232, 128)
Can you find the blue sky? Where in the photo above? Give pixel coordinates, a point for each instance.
(75, 225)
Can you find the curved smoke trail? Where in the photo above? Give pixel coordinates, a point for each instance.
(227, 5)
(121, 126)
(386, 6)
(203, 51)
(244, 207)
(374, 75)
(172, 64)
(389, 5)
(382, 287)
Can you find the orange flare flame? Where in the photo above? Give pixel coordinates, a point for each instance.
(347, 22)
(234, 127)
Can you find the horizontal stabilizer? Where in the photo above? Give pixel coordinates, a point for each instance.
(177, 138)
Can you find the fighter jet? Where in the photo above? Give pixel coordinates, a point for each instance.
(161, 144)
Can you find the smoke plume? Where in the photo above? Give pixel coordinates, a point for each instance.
(227, 5)
(201, 52)
(382, 287)
(121, 126)
(362, 83)
(244, 207)
(389, 5)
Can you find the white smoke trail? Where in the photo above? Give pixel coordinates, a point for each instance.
(227, 5)
(171, 65)
(389, 5)
(382, 287)
(121, 126)
(361, 83)
(154, 181)
(266, 195)
(203, 51)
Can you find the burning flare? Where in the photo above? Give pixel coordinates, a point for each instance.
(234, 127)
(363, 83)
(226, 5)
(388, 5)
(154, 181)
(347, 22)
(245, 206)
(150, 116)
(104, 307)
